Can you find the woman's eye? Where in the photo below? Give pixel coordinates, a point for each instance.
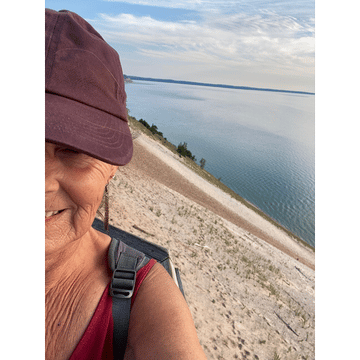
(67, 151)
(73, 158)
(70, 151)
(67, 154)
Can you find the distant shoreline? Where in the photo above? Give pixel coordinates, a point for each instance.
(132, 77)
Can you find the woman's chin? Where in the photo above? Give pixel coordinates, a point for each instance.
(58, 234)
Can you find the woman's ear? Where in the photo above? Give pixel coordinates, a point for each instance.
(112, 172)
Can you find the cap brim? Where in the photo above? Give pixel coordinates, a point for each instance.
(87, 129)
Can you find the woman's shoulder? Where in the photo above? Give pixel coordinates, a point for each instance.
(161, 322)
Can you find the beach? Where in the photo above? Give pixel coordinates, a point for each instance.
(249, 285)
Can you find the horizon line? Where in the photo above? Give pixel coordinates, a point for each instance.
(134, 77)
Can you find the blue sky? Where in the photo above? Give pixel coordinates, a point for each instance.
(261, 43)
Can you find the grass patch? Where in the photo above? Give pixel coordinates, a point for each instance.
(273, 290)
(274, 269)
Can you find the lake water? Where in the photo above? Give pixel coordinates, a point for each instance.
(261, 144)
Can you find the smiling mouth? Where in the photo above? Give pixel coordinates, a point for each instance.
(48, 214)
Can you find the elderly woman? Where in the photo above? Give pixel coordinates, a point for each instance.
(86, 138)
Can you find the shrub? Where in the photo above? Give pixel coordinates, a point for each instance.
(153, 128)
(144, 123)
(183, 150)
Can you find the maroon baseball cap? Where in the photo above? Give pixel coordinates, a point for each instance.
(85, 99)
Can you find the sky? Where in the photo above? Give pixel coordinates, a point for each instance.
(258, 43)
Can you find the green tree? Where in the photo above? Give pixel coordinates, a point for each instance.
(154, 129)
(144, 123)
(183, 150)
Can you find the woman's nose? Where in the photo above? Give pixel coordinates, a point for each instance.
(52, 169)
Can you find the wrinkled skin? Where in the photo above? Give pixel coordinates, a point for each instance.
(74, 183)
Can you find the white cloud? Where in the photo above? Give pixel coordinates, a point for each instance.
(235, 36)
(263, 40)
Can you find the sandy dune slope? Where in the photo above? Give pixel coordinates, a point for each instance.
(249, 295)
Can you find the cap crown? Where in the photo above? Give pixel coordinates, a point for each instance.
(81, 66)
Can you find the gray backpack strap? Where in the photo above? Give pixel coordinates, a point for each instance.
(125, 262)
(118, 247)
(121, 290)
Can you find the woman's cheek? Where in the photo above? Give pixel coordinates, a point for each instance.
(88, 198)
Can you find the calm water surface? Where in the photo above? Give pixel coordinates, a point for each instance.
(261, 144)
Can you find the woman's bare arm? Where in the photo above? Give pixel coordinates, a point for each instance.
(161, 325)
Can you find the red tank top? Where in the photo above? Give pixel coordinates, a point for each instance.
(97, 341)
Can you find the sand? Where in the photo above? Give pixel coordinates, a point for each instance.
(249, 285)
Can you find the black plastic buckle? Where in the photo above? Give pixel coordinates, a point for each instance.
(123, 283)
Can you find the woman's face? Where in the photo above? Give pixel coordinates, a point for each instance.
(74, 186)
